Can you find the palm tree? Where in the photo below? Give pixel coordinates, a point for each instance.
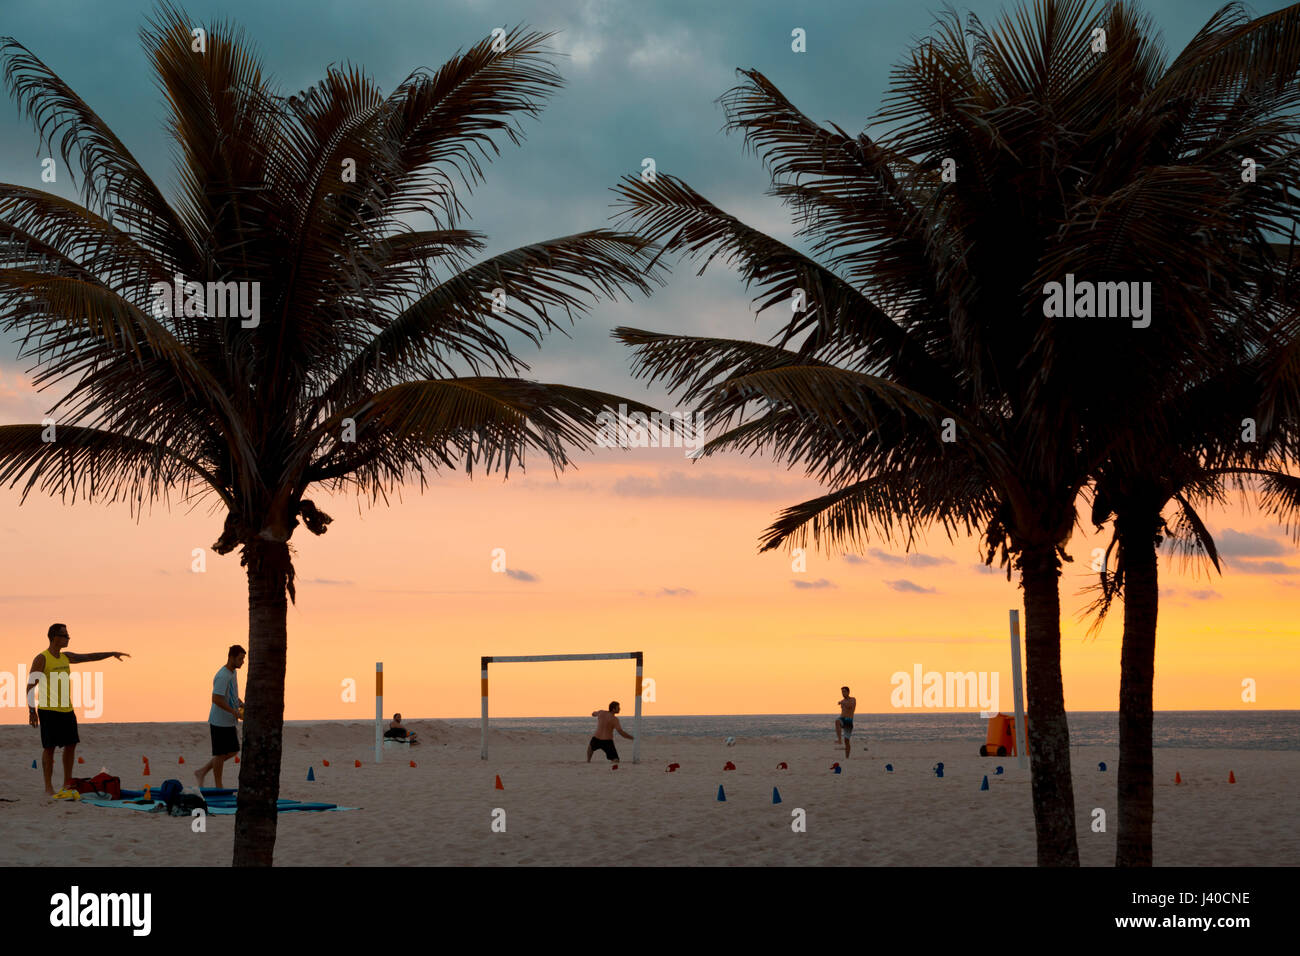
(380, 353)
(1011, 155)
(1189, 455)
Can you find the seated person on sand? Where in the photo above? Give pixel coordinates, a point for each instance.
(396, 731)
(603, 740)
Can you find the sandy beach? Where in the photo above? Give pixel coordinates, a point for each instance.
(559, 810)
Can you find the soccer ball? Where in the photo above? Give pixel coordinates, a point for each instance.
(730, 741)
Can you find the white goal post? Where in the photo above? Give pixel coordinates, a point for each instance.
(632, 655)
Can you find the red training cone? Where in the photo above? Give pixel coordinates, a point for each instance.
(729, 766)
(237, 759)
(499, 784)
(181, 760)
(325, 763)
(412, 763)
(1231, 777)
(1178, 777)
(672, 768)
(613, 766)
(81, 760)
(146, 770)
(357, 763)
(783, 766)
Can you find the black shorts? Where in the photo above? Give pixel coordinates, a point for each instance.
(604, 745)
(58, 728)
(225, 740)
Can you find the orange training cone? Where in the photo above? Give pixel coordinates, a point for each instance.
(1178, 777)
(412, 763)
(358, 763)
(499, 784)
(146, 770)
(1231, 777)
(325, 762)
(81, 760)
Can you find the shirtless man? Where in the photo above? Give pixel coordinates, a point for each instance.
(844, 722)
(606, 723)
(396, 731)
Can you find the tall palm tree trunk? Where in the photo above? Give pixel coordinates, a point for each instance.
(1137, 676)
(1049, 734)
(259, 776)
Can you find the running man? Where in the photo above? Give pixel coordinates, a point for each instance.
(50, 707)
(844, 722)
(223, 716)
(606, 723)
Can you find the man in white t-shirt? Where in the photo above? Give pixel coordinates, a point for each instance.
(223, 716)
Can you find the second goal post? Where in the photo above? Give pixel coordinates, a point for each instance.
(533, 658)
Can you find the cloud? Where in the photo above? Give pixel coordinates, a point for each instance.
(20, 403)
(916, 559)
(1264, 567)
(666, 51)
(971, 639)
(908, 587)
(585, 44)
(677, 484)
(674, 592)
(520, 575)
(1205, 595)
(819, 583)
(330, 582)
(1240, 544)
(854, 559)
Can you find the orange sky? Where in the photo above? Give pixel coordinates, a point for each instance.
(639, 550)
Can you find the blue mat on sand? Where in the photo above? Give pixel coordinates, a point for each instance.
(220, 802)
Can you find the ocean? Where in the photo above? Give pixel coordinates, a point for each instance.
(1244, 729)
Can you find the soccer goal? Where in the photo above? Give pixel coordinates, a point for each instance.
(529, 659)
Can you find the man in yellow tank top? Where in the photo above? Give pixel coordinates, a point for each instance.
(49, 696)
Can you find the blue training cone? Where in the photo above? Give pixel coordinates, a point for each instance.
(33, 764)
(938, 770)
(889, 768)
(311, 774)
(1102, 766)
(837, 769)
(776, 795)
(997, 772)
(722, 796)
(985, 784)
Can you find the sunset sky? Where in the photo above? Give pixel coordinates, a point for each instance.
(632, 550)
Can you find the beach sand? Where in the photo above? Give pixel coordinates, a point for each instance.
(559, 810)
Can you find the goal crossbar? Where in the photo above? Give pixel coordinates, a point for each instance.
(533, 658)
